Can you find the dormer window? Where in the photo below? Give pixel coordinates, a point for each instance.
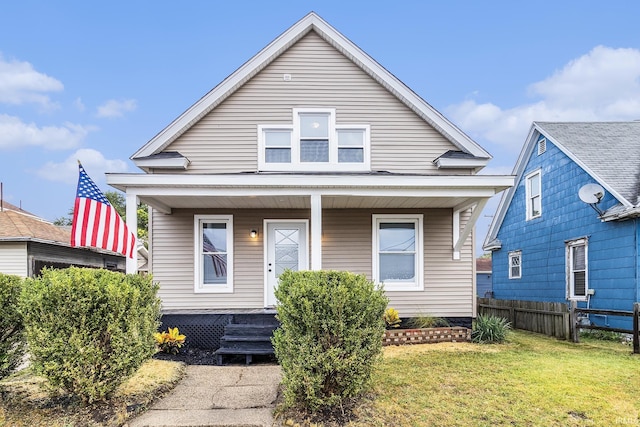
(313, 142)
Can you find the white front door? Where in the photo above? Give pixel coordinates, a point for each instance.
(286, 249)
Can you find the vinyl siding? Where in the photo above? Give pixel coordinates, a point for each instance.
(448, 289)
(225, 140)
(13, 258)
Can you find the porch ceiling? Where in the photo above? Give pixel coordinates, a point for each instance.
(303, 202)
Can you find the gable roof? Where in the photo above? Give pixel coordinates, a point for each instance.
(310, 22)
(4, 206)
(18, 226)
(608, 151)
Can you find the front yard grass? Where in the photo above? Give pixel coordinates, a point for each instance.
(530, 381)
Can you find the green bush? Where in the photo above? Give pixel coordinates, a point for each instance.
(12, 342)
(330, 337)
(490, 329)
(89, 330)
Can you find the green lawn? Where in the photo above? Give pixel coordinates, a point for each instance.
(530, 381)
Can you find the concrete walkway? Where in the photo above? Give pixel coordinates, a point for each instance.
(217, 396)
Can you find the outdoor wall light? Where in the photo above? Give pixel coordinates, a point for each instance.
(253, 234)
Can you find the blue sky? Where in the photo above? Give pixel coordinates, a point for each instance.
(95, 81)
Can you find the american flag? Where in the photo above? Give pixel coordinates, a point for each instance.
(96, 222)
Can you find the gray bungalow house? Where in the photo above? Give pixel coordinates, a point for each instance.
(29, 243)
(310, 156)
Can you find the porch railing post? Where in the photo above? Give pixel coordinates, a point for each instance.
(574, 322)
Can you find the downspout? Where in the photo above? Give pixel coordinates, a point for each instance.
(637, 261)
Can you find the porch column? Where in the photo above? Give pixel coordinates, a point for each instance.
(316, 232)
(132, 224)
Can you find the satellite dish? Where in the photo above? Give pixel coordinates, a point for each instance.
(591, 193)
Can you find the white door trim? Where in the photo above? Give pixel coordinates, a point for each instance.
(265, 228)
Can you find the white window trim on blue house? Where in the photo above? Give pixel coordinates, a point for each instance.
(295, 137)
(530, 198)
(515, 260)
(199, 285)
(417, 220)
(571, 272)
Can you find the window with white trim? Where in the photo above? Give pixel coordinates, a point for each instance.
(577, 274)
(398, 251)
(515, 265)
(313, 142)
(213, 253)
(534, 194)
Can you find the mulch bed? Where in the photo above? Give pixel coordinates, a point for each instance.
(200, 356)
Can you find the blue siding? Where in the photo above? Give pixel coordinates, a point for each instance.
(612, 246)
(483, 284)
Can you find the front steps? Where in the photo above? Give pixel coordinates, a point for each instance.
(248, 335)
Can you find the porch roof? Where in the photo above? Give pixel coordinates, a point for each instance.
(292, 191)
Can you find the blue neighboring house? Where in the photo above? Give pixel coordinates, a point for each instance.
(548, 244)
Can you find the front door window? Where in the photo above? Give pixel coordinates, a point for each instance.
(286, 250)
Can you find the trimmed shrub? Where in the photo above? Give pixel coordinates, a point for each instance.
(490, 329)
(330, 337)
(89, 330)
(12, 341)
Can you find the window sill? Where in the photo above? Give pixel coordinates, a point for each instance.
(210, 289)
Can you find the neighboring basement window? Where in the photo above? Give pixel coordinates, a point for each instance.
(577, 274)
(515, 265)
(534, 195)
(214, 253)
(398, 251)
(314, 142)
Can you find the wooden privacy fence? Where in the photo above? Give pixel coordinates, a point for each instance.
(549, 318)
(577, 325)
(556, 319)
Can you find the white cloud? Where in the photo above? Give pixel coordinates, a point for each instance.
(601, 85)
(79, 104)
(15, 133)
(114, 108)
(93, 162)
(20, 83)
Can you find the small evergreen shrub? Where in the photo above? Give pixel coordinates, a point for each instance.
(170, 341)
(391, 318)
(89, 330)
(490, 329)
(330, 337)
(12, 341)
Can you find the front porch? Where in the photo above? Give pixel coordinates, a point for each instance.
(245, 332)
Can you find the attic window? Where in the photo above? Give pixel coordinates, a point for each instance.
(542, 146)
(313, 142)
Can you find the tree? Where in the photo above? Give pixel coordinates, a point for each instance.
(119, 203)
